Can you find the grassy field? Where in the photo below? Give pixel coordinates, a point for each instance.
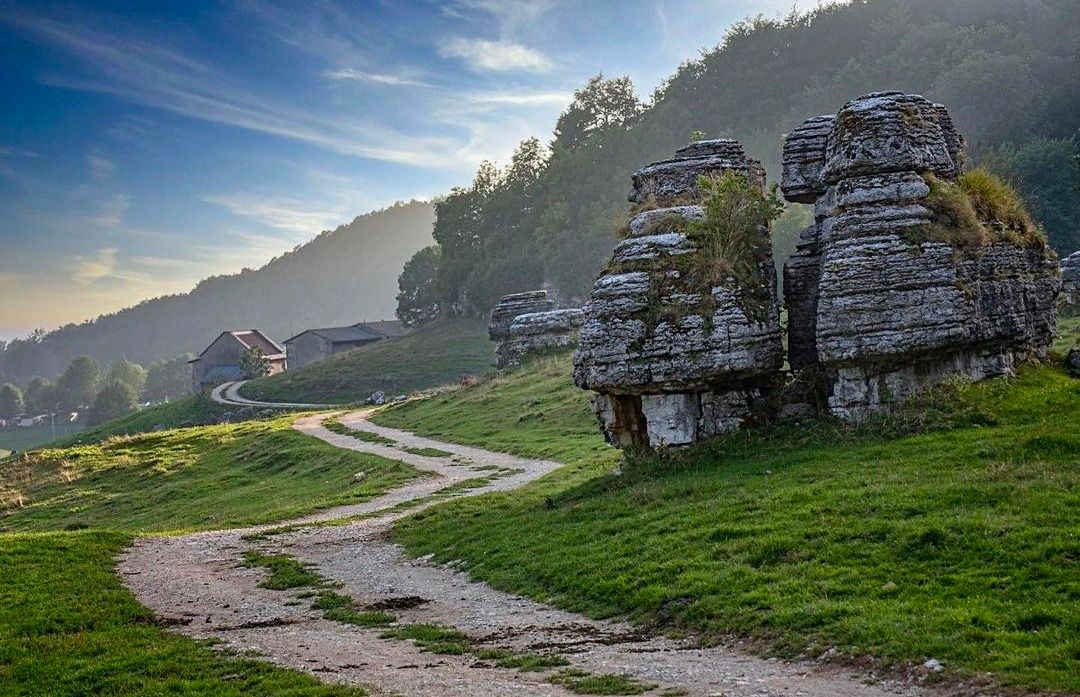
(68, 628)
(20, 439)
(207, 477)
(428, 357)
(960, 543)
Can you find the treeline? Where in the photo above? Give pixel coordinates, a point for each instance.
(340, 277)
(96, 394)
(1009, 71)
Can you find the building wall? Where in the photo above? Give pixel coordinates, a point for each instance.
(306, 349)
(226, 350)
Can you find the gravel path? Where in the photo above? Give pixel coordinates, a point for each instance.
(195, 584)
(229, 393)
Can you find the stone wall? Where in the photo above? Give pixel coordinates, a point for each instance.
(878, 312)
(675, 361)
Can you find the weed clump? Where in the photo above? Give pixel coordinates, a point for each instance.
(976, 210)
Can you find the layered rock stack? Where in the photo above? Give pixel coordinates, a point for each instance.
(1070, 278)
(881, 302)
(534, 333)
(675, 359)
(525, 324)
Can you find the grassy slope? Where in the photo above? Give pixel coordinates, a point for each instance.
(205, 477)
(428, 357)
(958, 544)
(67, 626)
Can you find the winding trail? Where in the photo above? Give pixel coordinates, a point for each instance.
(229, 393)
(196, 584)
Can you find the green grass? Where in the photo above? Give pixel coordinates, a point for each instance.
(68, 629)
(285, 571)
(582, 683)
(435, 355)
(334, 425)
(961, 544)
(20, 439)
(433, 638)
(193, 410)
(194, 478)
(428, 452)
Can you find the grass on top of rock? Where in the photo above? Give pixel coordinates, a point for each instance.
(440, 353)
(979, 208)
(193, 478)
(335, 426)
(957, 543)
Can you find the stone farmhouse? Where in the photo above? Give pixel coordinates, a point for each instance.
(220, 361)
(313, 345)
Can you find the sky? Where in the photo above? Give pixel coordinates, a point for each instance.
(146, 145)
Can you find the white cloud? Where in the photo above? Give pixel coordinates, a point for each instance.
(91, 269)
(8, 151)
(112, 210)
(101, 167)
(494, 56)
(521, 98)
(305, 217)
(378, 78)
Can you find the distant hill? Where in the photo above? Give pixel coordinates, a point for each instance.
(342, 276)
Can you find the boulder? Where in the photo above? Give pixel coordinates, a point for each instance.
(674, 358)
(537, 332)
(1070, 278)
(878, 307)
(510, 306)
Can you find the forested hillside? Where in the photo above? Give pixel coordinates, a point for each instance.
(342, 276)
(1008, 70)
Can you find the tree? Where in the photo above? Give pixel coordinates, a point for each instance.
(254, 363)
(40, 396)
(418, 302)
(113, 401)
(597, 107)
(168, 379)
(11, 401)
(131, 374)
(78, 385)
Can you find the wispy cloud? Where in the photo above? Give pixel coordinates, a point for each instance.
(91, 269)
(520, 98)
(112, 210)
(147, 73)
(300, 216)
(377, 78)
(101, 167)
(8, 151)
(494, 56)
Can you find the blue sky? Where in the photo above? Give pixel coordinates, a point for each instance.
(146, 145)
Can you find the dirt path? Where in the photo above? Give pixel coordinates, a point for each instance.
(229, 393)
(195, 583)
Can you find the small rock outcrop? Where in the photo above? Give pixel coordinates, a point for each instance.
(538, 332)
(678, 354)
(510, 306)
(524, 324)
(886, 293)
(1070, 279)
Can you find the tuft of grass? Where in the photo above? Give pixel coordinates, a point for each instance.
(978, 209)
(68, 628)
(285, 571)
(433, 638)
(953, 538)
(583, 683)
(336, 426)
(428, 452)
(437, 354)
(342, 608)
(524, 662)
(193, 478)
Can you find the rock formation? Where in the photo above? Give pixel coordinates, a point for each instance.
(510, 306)
(678, 350)
(526, 323)
(886, 293)
(537, 332)
(1070, 278)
